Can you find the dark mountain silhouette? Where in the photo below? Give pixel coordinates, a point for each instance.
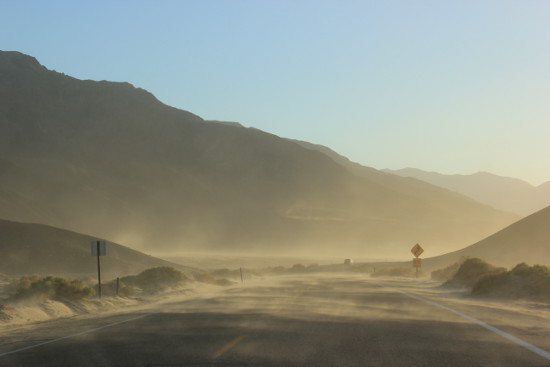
(527, 240)
(503, 193)
(110, 159)
(39, 249)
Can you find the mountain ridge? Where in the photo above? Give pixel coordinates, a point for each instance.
(503, 193)
(107, 158)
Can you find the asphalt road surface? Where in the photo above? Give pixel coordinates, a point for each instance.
(329, 320)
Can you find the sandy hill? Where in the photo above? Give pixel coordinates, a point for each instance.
(527, 240)
(39, 249)
(504, 193)
(110, 159)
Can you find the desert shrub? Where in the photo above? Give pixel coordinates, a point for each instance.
(50, 288)
(4, 316)
(535, 272)
(489, 283)
(448, 272)
(471, 271)
(156, 279)
(127, 290)
(23, 282)
(124, 290)
(523, 281)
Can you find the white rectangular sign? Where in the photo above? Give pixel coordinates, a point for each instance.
(102, 248)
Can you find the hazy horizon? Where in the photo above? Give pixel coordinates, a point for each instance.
(452, 87)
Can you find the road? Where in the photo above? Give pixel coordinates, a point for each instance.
(328, 320)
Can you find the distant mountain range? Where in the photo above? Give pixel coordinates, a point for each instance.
(503, 193)
(527, 240)
(110, 159)
(39, 249)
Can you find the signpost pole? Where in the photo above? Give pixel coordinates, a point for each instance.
(417, 250)
(98, 271)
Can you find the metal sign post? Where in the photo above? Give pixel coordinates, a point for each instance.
(98, 249)
(417, 250)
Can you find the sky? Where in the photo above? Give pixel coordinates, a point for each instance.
(455, 87)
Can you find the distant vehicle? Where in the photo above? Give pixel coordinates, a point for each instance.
(348, 261)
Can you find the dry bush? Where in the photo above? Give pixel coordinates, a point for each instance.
(156, 279)
(471, 271)
(124, 290)
(523, 281)
(49, 287)
(447, 273)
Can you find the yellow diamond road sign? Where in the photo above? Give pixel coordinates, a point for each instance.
(417, 250)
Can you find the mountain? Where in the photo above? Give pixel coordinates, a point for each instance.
(110, 159)
(503, 193)
(527, 240)
(39, 249)
(403, 184)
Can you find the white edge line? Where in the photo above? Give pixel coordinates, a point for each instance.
(73, 335)
(523, 343)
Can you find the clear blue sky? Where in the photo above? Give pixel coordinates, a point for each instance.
(449, 86)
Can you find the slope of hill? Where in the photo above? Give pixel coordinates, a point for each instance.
(38, 249)
(527, 240)
(503, 193)
(110, 159)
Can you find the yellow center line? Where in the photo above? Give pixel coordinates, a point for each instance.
(228, 346)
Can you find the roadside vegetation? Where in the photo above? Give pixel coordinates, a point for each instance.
(486, 280)
(153, 280)
(448, 272)
(522, 282)
(210, 278)
(471, 271)
(40, 288)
